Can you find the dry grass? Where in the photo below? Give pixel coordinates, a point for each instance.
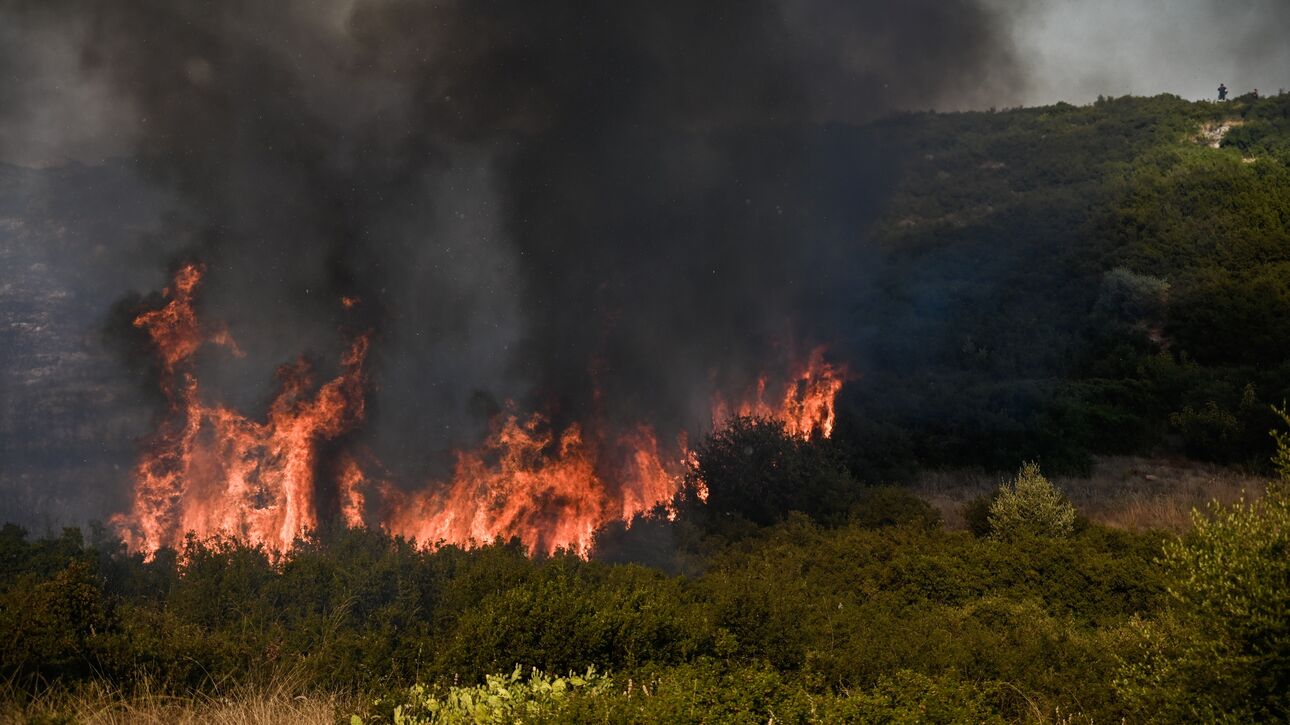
(1124, 492)
(97, 704)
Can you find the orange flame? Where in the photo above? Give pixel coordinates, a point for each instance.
(210, 470)
(350, 483)
(550, 493)
(806, 407)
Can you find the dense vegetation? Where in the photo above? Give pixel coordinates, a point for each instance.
(1052, 284)
(871, 613)
(1059, 282)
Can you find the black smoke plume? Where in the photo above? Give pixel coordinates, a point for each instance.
(601, 210)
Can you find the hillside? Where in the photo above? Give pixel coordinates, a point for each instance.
(1051, 283)
(1059, 282)
(1022, 295)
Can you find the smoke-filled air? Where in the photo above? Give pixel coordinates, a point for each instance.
(536, 248)
(625, 361)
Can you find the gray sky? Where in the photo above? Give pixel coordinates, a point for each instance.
(1074, 50)
(1066, 50)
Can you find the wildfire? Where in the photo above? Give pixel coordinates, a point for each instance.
(549, 492)
(209, 470)
(806, 407)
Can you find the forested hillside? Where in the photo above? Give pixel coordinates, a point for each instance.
(1065, 281)
(1049, 283)
(1024, 291)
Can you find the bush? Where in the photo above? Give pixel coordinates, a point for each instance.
(713, 691)
(753, 469)
(501, 699)
(893, 506)
(569, 617)
(1281, 460)
(55, 628)
(1130, 298)
(976, 514)
(1031, 506)
(1209, 433)
(1223, 651)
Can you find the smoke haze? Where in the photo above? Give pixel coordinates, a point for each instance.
(596, 210)
(601, 211)
(1075, 50)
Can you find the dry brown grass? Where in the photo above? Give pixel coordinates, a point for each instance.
(97, 704)
(1124, 492)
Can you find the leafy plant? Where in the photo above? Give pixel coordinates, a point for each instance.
(1222, 652)
(1031, 506)
(501, 700)
(753, 469)
(1281, 460)
(1208, 432)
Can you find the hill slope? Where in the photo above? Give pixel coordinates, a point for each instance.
(1062, 281)
(1048, 283)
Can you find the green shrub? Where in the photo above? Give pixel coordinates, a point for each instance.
(1130, 298)
(1209, 432)
(893, 506)
(1281, 460)
(570, 617)
(753, 469)
(976, 514)
(1223, 651)
(57, 627)
(719, 692)
(1031, 506)
(501, 700)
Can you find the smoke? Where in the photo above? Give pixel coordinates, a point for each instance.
(1075, 51)
(600, 210)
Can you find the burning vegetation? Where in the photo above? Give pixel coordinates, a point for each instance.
(209, 470)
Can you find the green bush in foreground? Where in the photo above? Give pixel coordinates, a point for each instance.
(1030, 505)
(706, 691)
(500, 700)
(1222, 653)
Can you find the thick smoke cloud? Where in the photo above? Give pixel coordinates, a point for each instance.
(603, 211)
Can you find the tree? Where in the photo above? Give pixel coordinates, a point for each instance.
(1031, 505)
(55, 628)
(753, 468)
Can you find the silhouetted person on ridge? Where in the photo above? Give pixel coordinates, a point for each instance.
(1222, 92)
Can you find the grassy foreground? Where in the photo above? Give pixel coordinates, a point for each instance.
(100, 703)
